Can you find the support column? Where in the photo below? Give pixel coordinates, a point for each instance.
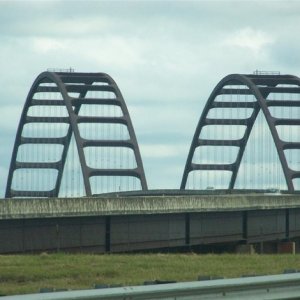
(286, 247)
(245, 249)
(107, 233)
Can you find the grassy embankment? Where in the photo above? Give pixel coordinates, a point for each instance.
(29, 273)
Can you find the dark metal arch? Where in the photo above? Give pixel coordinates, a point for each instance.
(260, 86)
(82, 83)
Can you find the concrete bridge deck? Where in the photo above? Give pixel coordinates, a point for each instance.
(112, 205)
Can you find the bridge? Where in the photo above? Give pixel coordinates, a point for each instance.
(77, 182)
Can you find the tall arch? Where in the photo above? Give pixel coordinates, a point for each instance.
(63, 95)
(262, 88)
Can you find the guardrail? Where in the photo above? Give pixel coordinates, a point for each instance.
(261, 287)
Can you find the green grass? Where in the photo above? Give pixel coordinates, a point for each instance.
(20, 274)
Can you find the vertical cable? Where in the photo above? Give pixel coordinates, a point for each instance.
(114, 149)
(193, 175)
(244, 170)
(231, 132)
(133, 166)
(251, 156)
(222, 146)
(238, 100)
(44, 131)
(127, 166)
(121, 155)
(77, 170)
(73, 168)
(98, 134)
(277, 157)
(199, 182)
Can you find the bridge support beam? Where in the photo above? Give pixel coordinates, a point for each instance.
(288, 247)
(245, 249)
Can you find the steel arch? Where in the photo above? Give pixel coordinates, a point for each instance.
(260, 86)
(67, 83)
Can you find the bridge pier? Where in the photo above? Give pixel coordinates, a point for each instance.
(245, 249)
(288, 247)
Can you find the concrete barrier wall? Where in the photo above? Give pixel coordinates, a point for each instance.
(137, 205)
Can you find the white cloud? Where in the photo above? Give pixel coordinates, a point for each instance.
(45, 45)
(249, 38)
(10, 116)
(126, 53)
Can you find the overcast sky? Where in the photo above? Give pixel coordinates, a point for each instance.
(166, 57)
